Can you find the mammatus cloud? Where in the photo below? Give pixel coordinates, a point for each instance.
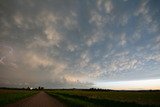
(123, 40)
(97, 19)
(108, 6)
(66, 44)
(6, 54)
(97, 36)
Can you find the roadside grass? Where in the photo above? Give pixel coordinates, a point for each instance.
(83, 98)
(14, 95)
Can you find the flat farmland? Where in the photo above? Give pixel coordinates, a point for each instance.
(10, 96)
(88, 98)
(79, 98)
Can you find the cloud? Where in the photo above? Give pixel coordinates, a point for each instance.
(39, 61)
(155, 46)
(154, 27)
(22, 21)
(142, 8)
(39, 42)
(137, 35)
(96, 71)
(84, 59)
(18, 18)
(123, 39)
(97, 19)
(70, 22)
(124, 20)
(110, 46)
(118, 63)
(73, 82)
(92, 40)
(95, 37)
(123, 65)
(154, 57)
(99, 4)
(53, 36)
(125, 0)
(108, 6)
(146, 16)
(50, 38)
(122, 54)
(49, 18)
(1, 60)
(34, 60)
(73, 79)
(72, 47)
(7, 55)
(157, 43)
(46, 17)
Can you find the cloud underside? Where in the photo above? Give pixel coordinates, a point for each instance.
(66, 44)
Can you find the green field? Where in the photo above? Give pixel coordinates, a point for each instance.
(89, 98)
(10, 96)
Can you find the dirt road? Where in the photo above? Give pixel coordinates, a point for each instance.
(39, 100)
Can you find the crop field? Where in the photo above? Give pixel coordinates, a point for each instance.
(11, 96)
(89, 98)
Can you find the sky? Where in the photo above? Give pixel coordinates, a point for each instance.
(112, 44)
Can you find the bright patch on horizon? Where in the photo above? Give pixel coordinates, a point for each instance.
(151, 84)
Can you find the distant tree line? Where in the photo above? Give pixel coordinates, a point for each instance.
(28, 88)
(39, 88)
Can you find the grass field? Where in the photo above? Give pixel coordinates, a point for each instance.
(10, 96)
(79, 98)
(89, 98)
